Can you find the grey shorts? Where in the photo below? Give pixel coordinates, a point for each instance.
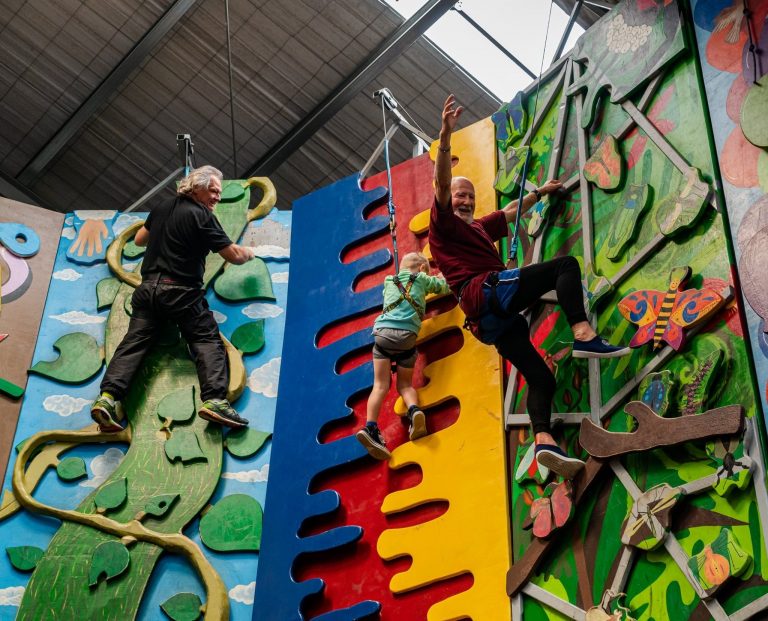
(392, 343)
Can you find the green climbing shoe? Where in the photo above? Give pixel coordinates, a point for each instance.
(220, 411)
(104, 412)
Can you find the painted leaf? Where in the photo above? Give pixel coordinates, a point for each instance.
(529, 468)
(233, 524)
(10, 389)
(232, 191)
(511, 165)
(109, 560)
(111, 495)
(681, 209)
(246, 441)
(754, 122)
(249, 281)
(80, 358)
(131, 250)
(605, 167)
(71, 469)
(24, 558)
(106, 290)
(182, 607)
(249, 337)
(629, 208)
(159, 505)
(184, 445)
(178, 405)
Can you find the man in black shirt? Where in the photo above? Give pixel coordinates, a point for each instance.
(178, 235)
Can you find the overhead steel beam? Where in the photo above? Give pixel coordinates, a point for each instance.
(380, 58)
(567, 32)
(11, 188)
(498, 45)
(104, 91)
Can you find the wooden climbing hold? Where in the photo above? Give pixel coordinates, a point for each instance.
(654, 431)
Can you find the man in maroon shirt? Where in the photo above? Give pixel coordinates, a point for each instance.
(492, 297)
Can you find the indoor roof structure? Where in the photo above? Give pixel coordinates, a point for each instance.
(93, 93)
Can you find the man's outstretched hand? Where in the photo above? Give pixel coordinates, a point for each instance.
(451, 114)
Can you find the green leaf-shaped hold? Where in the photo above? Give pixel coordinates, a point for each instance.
(249, 338)
(246, 441)
(184, 445)
(182, 607)
(109, 559)
(249, 281)
(80, 358)
(106, 290)
(178, 406)
(131, 250)
(71, 469)
(233, 524)
(112, 495)
(159, 505)
(24, 558)
(232, 191)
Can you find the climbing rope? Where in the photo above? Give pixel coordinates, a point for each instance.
(750, 33)
(231, 96)
(390, 200)
(512, 253)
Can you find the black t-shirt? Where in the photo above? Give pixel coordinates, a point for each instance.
(180, 238)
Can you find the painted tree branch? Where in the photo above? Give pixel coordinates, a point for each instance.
(217, 601)
(653, 431)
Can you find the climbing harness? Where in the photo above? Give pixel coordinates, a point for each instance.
(512, 253)
(405, 295)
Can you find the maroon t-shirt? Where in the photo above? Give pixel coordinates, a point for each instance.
(466, 252)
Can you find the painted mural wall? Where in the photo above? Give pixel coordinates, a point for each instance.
(734, 77)
(672, 504)
(162, 520)
(28, 238)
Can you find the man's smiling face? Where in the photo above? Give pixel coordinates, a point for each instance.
(463, 198)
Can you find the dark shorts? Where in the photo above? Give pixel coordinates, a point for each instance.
(491, 325)
(390, 343)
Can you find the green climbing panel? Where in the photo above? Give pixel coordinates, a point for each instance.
(249, 281)
(233, 524)
(249, 337)
(80, 358)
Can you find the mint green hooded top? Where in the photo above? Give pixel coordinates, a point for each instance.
(403, 316)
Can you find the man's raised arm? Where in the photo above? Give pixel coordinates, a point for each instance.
(451, 114)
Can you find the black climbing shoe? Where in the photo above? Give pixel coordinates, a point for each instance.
(417, 423)
(370, 437)
(104, 412)
(220, 411)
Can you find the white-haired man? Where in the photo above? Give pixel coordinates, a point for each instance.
(178, 235)
(492, 297)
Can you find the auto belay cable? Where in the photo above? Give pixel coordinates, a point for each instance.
(512, 253)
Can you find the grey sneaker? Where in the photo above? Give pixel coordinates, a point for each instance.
(104, 412)
(417, 427)
(373, 442)
(220, 411)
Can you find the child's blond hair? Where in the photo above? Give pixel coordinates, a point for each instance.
(414, 262)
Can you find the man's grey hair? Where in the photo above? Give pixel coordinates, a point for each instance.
(198, 179)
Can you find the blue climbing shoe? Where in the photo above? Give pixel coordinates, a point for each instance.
(552, 457)
(598, 347)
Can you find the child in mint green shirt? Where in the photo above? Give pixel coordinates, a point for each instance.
(395, 332)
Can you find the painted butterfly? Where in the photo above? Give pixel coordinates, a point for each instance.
(662, 316)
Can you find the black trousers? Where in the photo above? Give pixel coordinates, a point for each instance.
(155, 303)
(564, 276)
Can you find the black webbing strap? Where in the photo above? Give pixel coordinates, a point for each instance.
(405, 295)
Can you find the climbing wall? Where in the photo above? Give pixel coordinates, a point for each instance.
(346, 536)
(114, 548)
(672, 504)
(28, 237)
(734, 80)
